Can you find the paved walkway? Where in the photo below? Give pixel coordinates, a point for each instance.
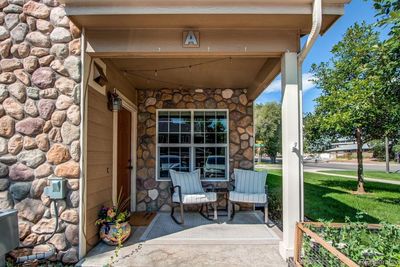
(377, 180)
(321, 171)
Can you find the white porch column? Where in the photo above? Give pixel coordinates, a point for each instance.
(292, 168)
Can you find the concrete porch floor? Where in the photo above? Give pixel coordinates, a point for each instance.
(171, 252)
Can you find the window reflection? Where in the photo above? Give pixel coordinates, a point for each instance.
(175, 158)
(174, 127)
(211, 161)
(189, 140)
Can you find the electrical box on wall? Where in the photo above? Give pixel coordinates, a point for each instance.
(57, 188)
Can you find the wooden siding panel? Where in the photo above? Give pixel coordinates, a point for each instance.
(99, 161)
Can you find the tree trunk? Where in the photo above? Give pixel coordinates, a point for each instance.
(360, 170)
(387, 154)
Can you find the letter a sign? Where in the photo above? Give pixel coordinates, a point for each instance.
(191, 39)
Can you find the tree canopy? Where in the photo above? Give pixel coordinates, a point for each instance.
(354, 101)
(268, 128)
(351, 94)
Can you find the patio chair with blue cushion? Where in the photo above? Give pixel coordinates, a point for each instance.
(186, 189)
(249, 187)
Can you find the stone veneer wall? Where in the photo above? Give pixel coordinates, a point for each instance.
(39, 120)
(153, 195)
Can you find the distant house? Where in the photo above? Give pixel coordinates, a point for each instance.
(347, 149)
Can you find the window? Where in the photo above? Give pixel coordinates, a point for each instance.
(193, 139)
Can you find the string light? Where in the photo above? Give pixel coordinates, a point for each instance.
(179, 85)
(181, 67)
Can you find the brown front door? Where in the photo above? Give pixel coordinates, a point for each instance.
(124, 154)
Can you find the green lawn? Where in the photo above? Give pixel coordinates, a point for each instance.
(370, 174)
(332, 198)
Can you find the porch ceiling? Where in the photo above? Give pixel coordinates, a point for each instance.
(215, 72)
(273, 14)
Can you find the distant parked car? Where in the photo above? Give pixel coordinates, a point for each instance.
(312, 158)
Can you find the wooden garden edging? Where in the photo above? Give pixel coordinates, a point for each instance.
(301, 229)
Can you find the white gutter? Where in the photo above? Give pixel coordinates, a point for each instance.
(312, 37)
(315, 30)
(82, 162)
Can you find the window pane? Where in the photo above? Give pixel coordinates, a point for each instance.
(221, 125)
(175, 158)
(221, 115)
(163, 138)
(185, 159)
(162, 127)
(211, 161)
(221, 138)
(185, 122)
(185, 138)
(174, 124)
(210, 138)
(199, 126)
(199, 162)
(163, 116)
(199, 138)
(164, 162)
(210, 122)
(199, 116)
(174, 138)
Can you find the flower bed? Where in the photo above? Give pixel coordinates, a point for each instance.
(349, 244)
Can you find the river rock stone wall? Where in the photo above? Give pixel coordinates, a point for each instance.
(39, 120)
(153, 195)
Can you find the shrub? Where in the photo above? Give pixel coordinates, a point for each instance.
(365, 246)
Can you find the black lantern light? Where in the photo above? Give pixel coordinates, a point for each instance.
(114, 101)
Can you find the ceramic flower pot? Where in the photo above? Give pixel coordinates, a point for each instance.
(109, 233)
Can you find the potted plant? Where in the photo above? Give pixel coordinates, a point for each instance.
(114, 222)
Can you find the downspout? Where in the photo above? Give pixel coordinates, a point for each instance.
(315, 30)
(82, 162)
(312, 37)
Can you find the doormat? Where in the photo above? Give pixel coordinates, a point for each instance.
(142, 218)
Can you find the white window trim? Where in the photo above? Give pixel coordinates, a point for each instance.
(192, 145)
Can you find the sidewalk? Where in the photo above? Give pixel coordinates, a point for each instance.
(321, 171)
(377, 180)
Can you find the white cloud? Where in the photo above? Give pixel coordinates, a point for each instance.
(276, 85)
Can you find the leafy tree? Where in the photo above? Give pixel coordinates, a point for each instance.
(315, 141)
(387, 67)
(378, 149)
(268, 128)
(352, 103)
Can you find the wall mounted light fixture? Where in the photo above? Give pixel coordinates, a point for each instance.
(114, 101)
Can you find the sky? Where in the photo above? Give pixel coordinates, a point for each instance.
(356, 11)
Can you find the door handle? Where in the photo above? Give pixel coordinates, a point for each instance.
(130, 167)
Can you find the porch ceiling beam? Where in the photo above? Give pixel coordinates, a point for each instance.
(124, 7)
(264, 77)
(168, 43)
